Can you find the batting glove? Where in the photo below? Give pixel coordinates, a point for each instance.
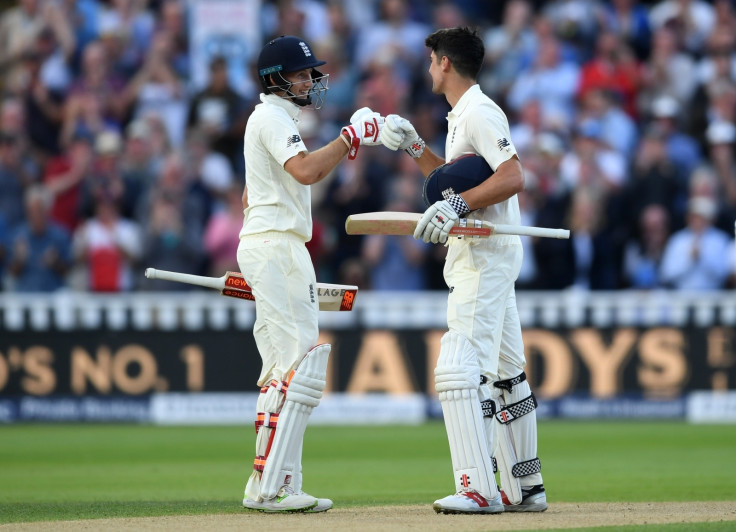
(364, 129)
(435, 224)
(399, 134)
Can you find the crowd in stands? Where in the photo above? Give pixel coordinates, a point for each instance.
(623, 113)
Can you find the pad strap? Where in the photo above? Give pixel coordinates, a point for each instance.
(489, 407)
(529, 467)
(509, 413)
(509, 384)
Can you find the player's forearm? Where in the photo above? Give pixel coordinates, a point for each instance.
(507, 181)
(429, 161)
(313, 167)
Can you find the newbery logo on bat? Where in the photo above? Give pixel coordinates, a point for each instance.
(236, 281)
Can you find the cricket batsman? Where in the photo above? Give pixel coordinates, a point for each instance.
(486, 401)
(274, 261)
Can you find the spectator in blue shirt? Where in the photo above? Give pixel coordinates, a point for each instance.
(40, 253)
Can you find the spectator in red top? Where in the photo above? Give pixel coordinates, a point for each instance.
(613, 67)
(63, 178)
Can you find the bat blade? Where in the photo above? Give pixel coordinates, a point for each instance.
(399, 223)
(330, 297)
(404, 223)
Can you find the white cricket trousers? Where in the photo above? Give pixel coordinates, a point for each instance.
(278, 268)
(481, 306)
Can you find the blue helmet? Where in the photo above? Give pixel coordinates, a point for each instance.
(459, 175)
(287, 54)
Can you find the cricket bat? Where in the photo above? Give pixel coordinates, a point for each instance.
(404, 223)
(330, 296)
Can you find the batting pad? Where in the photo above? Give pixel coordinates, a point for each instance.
(516, 443)
(457, 378)
(304, 393)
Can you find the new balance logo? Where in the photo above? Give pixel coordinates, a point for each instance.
(293, 140)
(503, 144)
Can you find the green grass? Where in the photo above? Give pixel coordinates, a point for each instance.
(83, 471)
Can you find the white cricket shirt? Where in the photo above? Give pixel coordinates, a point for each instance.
(276, 201)
(477, 125)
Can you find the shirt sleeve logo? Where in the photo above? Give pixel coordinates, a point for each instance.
(294, 139)
(503, 144)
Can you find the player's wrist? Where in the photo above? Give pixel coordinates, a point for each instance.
(416, 148)
(458, 204)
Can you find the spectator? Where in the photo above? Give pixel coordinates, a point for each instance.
(613, 68)
(510, 48)
(549, 80)
(396, 262)
(106, 180)
(63, 178)
(157, 86)
(693, 20)
(694, 256)
(630, 20)
(394, 35)
(170, 243)
(221, 114)
(596, 255)
(654, 180)
(682, 149)
(643, 255)
(668, 70)
(41, 252)
(107, 249)
(17, 172)
(721, 137)
(591, 163)
(618, 129)
(221, 235)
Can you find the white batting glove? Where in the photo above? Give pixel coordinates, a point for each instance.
(364, 129)
(435, 224)
(399, 134)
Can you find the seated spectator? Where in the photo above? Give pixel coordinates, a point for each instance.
(17, 172)
(591, 162)
(694, 258)
(40, 253)
(643, 255)
(107, 249)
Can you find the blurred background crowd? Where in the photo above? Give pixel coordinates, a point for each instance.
(114, 158)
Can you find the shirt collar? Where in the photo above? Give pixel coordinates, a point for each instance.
(464, 100)
(290, 107)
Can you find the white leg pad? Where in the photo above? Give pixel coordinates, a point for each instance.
(516, 443)
(303, 394)
(457, 379)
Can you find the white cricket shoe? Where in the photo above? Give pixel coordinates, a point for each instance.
(322, 505)
(468, 502)
(533, 499)
(286, 500)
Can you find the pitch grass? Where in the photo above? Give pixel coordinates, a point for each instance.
(52, 472)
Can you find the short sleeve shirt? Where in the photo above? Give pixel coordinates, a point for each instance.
(476, 125)
(276, 201)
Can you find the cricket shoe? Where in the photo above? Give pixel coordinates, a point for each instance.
(286, 500)
(468, 502)
(533, 499)
(322, 504)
